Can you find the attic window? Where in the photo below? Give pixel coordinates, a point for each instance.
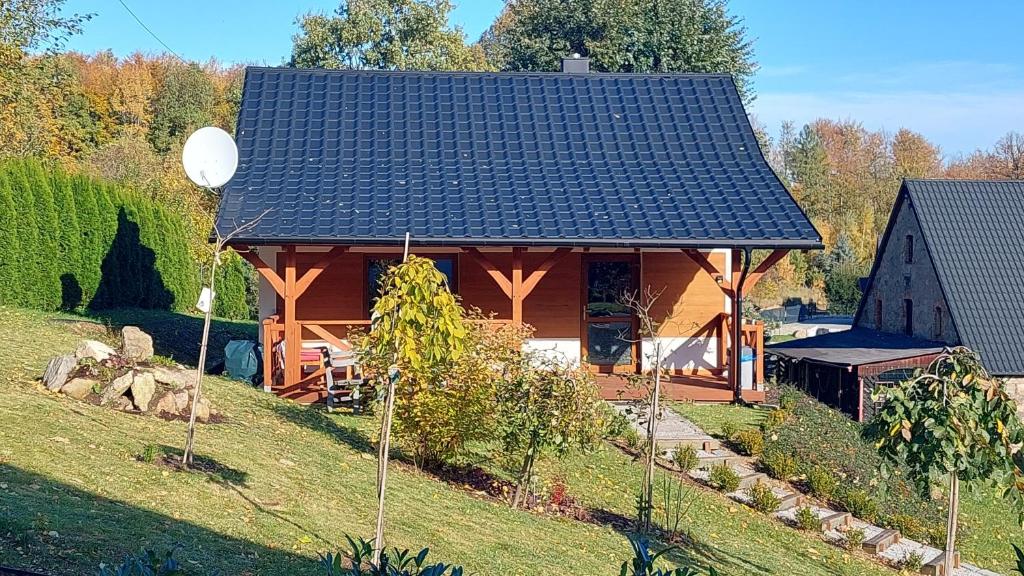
(908, 317)
(908, 249)
(938, 323)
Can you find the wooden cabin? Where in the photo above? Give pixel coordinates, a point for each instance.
(542, 197)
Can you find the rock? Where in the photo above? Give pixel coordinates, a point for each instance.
(94, 349)
(165, 404)
(180, 401)
(136, 344)
(57, 371)
(122, 403)
(143, 388)
(203, 410)
(174, 377)
(79, 388)
(801, 333)
(116, 389)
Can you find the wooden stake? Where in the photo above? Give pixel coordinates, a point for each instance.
(383, 451)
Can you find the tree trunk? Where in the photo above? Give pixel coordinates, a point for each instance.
(951, 522)
(186, 456)
(525, 472)
(382, 467)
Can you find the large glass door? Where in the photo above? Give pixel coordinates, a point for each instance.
(609, 327)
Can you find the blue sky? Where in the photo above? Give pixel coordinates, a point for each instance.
(948, 69)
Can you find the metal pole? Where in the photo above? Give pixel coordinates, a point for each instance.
(385, 445)
(737, 329)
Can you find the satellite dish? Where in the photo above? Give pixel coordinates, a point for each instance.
(210, 157)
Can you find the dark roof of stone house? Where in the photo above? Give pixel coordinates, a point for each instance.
(973, 231)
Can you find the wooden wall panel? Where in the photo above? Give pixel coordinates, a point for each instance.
(553, 308)
(478, 289)
(691, 298)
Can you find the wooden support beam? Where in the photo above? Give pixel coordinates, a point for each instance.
(537, 275)
(326, 336)
(499, 278)
(292, 331)
(310, 275)
(517, 285)
(265, 270)
(757, 273)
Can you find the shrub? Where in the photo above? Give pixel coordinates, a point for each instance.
(909, 526)
(150, 453)
(762, 498)
(642, 562)
(615, 423)
(773, 420)
(822, 482)
(854, 538)
(685, 457)
(789, 397)
(858, 502)
(729, 429)
(632, 439)
(806, 519)
(750, 442)
(724, 478)
(912, 562)
(357, 561)
(146, 563)
(779, 465)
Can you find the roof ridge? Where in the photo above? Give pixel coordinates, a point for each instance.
(593, 74)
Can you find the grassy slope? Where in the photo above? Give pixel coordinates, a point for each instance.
(293, 481)
(987, 525)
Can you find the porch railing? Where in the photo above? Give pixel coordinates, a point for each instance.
(752, 336)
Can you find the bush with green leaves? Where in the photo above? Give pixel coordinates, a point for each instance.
(146, 563)
(778, 464)
(762, 498)
(722, 477)
(806, 519)
(853, 538)
(358, 561)
(750, 442)
(773, 420)
(729, 429)
(685, 457)
(643, 562)
(822, 483)
(911, 563)
(857, 502)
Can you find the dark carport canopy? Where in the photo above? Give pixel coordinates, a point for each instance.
(855, 347)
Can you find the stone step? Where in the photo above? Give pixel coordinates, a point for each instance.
(834, 521)
(709, 461)
(700, 443)
(881, 541)
(791, 500)
(751, 479)
(936, 566)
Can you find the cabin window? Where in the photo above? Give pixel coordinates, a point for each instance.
(908, 317)
(908, 249)
(377, 267)
(938, 322)
(878, 314)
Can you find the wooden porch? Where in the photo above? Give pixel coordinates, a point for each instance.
(544, 288)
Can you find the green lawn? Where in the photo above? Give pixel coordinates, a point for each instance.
(711, 417)
(289, 481)
(987, 525)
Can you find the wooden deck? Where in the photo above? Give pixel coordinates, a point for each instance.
(691, 388)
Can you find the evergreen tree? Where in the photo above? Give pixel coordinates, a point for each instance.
(11, 285)
(91, 243)
(28, 235)
(69, 241)
(49, 236)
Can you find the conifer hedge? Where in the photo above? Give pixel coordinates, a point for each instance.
(71, 242)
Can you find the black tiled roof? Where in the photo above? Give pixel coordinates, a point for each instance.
(346, 157)
(974, 233)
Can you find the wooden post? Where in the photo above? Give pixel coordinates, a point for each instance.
(292, 331)
(268, 353)
(517, 285)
